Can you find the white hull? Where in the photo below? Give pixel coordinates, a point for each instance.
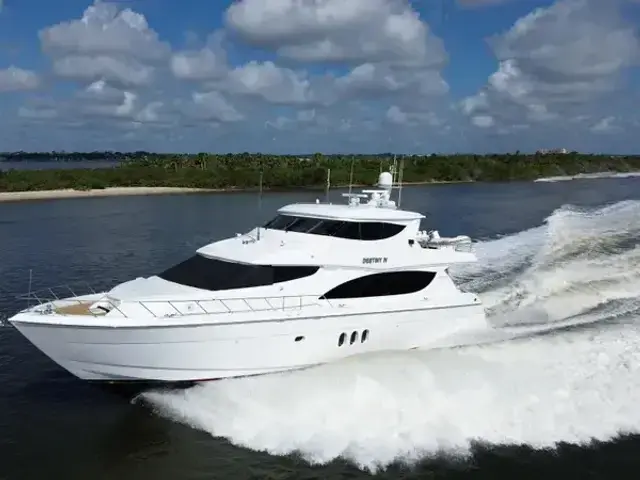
(317, 283)
(197, 352)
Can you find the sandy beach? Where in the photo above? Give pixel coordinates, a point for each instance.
(124, 191)
(105, 192)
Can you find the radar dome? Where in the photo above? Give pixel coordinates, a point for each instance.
(385, 180)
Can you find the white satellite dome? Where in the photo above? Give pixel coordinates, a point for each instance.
(385, 180)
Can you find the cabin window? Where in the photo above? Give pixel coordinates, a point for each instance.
(212, 274)
(365, 336)
(354, 337)
(335, 228)
(292, 224)
(382, 284)
(341, 339)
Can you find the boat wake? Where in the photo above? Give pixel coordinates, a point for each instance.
(565, 295)
(586, 176)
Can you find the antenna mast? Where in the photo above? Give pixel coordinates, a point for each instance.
(351, 175)
(260, 191)
(400, 181)
(328, 185)
(260, 201)
(30, 284)
(394, 169)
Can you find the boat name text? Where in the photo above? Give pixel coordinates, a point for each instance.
(369, 260)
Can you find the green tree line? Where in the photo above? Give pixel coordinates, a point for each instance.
(243, 171)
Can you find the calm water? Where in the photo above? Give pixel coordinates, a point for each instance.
(448, 410)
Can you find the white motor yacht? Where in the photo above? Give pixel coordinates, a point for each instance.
(317, 283)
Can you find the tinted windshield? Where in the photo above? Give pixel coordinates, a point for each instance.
(211, 274)
(335, 228)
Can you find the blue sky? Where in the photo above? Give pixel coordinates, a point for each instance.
(298, 76)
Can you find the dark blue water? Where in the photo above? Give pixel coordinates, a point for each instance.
(55, 426)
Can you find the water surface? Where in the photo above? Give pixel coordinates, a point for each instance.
(567, 249)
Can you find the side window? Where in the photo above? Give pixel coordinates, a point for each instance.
(285, 274)
(382, 284)
(326, 227)
(302, 224)
(280, 222)
(335, 228)
(348, 230)
(212, 274)
(365, 336)
(352, 339)
(368, 230)
(379, 231)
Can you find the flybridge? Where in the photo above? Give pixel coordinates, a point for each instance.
(368, 206)
(377, 198)
(360, 212)
(370, 215)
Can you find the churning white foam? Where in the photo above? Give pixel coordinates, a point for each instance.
(571, 386)
(584, 176)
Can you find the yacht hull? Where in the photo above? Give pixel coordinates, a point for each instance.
(207, 351)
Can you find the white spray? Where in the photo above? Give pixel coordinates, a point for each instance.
(581, 266)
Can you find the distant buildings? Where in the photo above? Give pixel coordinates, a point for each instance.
(545, 151)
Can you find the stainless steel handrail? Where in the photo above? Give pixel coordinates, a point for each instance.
(273, 302)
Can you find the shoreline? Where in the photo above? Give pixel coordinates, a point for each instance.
(21, 196)
(101, 192)
(27, 195)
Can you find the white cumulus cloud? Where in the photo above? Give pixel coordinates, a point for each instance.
(556, 62)
(14, 79)
(309, 75)
(357, 31)
(106, 43)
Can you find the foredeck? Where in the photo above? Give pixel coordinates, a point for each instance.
(80, 308)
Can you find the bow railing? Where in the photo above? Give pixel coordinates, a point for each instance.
(53, 300)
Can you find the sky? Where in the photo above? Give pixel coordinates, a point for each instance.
(331, 76)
